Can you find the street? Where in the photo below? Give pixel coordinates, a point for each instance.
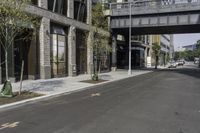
(164, 101)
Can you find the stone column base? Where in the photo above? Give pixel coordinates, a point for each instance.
(45, 72)
(72, 70)
(113, 69)
(12, 79)
(32, 77)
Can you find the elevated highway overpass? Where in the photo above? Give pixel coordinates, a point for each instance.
(149, 17)
(145, 17)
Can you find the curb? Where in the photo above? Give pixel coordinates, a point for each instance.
(50, 96)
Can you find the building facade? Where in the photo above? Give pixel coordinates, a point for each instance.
(190, 47)
(141, 45)
(167, 48)
(59, 47)
(140, 50)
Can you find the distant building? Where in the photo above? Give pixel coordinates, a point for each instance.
(167, 48)
(141, 45)
(190, 47)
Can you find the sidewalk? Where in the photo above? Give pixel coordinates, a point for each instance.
(70, 84)
(159, 67)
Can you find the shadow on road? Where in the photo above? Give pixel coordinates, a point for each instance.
(193, 72)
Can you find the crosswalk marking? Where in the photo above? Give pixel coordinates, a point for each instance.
(9, 125)
(95, 95)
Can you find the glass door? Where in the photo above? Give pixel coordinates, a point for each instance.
(61, 55)
(58, 55)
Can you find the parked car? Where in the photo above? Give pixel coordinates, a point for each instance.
(180, 62)
(176, 63)
(172, 64)
(196, 60)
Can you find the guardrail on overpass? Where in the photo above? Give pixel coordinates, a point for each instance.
(149, 6)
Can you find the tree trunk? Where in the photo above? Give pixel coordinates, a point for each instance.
(6, 63)
(199, 61)
(6, 53)
(99, 67)
(21, 77)
(95, 69)
(156, 65)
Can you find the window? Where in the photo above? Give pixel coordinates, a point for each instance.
(35, 2)
(58, 6)
(80, 10)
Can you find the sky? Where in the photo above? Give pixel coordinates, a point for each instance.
(185, 39)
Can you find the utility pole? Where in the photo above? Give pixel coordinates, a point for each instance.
(130, 24)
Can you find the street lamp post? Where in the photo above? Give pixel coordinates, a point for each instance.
(130, 24)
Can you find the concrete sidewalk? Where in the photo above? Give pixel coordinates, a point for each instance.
(68, 84)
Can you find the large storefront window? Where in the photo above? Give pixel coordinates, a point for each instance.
(22, 50)
(58, 6)
(58, 55)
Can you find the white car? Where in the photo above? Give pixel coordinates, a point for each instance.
(196, 60)
(172, 64)
(180, 62)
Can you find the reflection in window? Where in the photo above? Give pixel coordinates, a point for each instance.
(35, 2)
(61, 52)
(58, 54)
(58, 6)
(80, 10)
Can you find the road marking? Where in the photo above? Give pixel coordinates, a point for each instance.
(95, 95)
(9, 125)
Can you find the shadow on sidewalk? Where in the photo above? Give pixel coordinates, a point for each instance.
(46, 85)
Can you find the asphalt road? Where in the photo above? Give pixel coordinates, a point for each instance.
(166, 101)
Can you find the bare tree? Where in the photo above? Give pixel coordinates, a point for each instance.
(156, 50)
(100, 43)
(13, 22)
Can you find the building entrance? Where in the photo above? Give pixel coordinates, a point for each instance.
(81, 52)
(58, 55)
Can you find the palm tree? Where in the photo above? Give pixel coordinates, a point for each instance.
(156, 50)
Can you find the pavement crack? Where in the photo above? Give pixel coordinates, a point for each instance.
(176, 113)
(180, 131)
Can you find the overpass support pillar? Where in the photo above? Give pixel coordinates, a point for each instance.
(114, 52)
(145, 56)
